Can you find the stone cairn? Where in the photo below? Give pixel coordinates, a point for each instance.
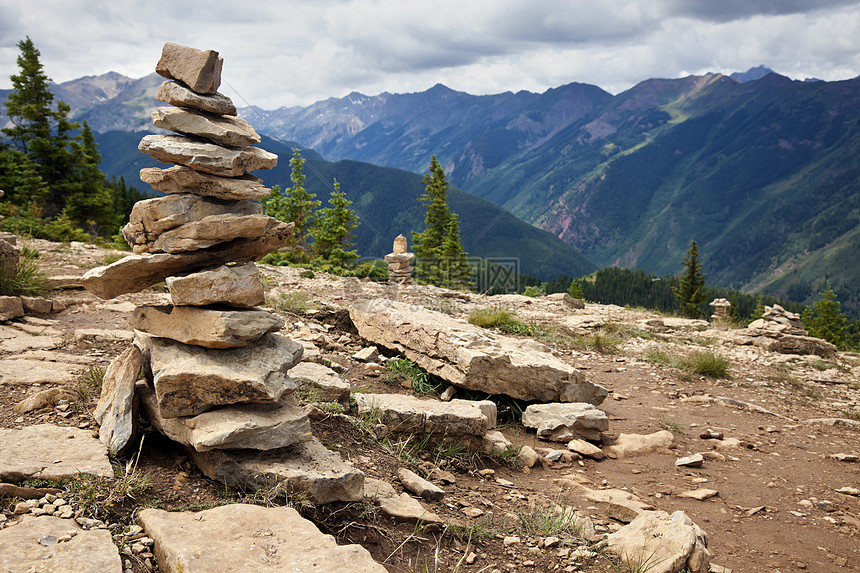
(399, 271)
(721, 310)
(779, 321)
(215, 370)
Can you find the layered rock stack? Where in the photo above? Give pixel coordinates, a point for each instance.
(721, 308)
(778, 320)
(399, 270)
(215, 369)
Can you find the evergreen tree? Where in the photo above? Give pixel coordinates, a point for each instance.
(428, 244)
(24, 188)
(575, 290)
(454, 267)
(333, 229)
(89, 202)
(690, 292)
(294, 205)
(825, 320)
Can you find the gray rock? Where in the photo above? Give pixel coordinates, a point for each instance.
(797, 344)
(235, 285)
(620, 505)
(209, 327)
(406, 508)
(222, 130)
(566, 300)
(177, 94)
(38, 371)
(36, 304)
(319, 383)
(84, 552)
(585, 449)
(248, 426)
(206, 157)
(630, 445)
(563, 422)
(151, 218)
(691, 461)
(16, 340)
(190, 380)
(472, 357)
(11, 307)
(408, 414)
(200, 70)
(44, 399)
(10, 254)
(250, 538)
(210, 231)
(136, 272)
(116, 410)
(671, 543)
(368, 354)
(51, 452)
(180, 179)
(420, 486)
(307, 468)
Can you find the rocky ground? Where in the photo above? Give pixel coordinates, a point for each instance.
(782, 484)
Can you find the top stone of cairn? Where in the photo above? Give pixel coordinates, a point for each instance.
(200, 70)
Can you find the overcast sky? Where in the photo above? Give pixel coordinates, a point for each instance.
(302, 51)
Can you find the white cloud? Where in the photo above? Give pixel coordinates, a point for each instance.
(299, 52)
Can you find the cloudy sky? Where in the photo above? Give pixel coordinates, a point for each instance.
(301, 51)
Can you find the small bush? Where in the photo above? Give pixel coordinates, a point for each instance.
(534, 291)
(294, 302)
(706, 363)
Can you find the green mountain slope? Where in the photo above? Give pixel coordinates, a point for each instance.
(386, 200)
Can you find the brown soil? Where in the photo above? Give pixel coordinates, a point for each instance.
(781, 461)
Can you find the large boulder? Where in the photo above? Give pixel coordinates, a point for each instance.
(234, 285)
(207, 157)
(151, 218)
(223, 130)
(249, 538)
(136, 272)
(662, 542)
(564, 422)
(180, 179)
(472, 357)
(191, 379)
(200, 70)
(242, 426)
(209, 327)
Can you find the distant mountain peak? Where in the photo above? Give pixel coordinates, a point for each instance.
(752, 74)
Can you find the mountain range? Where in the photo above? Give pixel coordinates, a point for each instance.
(760, 170)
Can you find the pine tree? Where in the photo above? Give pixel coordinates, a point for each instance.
(454, 267)
(825, 319)
(575, 290)
(691, 290)
(428, 244)
(333, 230)
(294, 205)
(89, 202)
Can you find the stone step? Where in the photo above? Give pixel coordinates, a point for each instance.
(408, 414)
(249, 538)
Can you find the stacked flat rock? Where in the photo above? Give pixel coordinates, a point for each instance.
(777, 320)
(215, 369)
(399, 269)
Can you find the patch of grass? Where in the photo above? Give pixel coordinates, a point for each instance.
(603, 341)
(295, 302)
(852, 414)
(484, 527)
(550, 519)
(501, 320)
(111, 258)
(641, 563)
(90, 382)
(659, 357)
(706, 363)
(102, 497)
(671, 425)
(404, 370)
(307, 274)
(28, 280)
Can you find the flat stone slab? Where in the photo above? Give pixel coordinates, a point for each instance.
(235, 285)
(672, 543)
(223, 130)
(319, 383)
(88, 551)
(177, 94)
(190, 379)
(252, 426)
(116, 410)
(564, 422)
(200, 70)
(151, 218)
(206, 157)
(27, 371)
(250, 538)
(630, 445)
(14, 340)
(208, 327)
(619, 504)
(472, 357)
(408, 414)
(404, 507)
(136, 272)
(307, 468)
(11, 307)
(210, 231)
(51, 452)
(180, 179)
